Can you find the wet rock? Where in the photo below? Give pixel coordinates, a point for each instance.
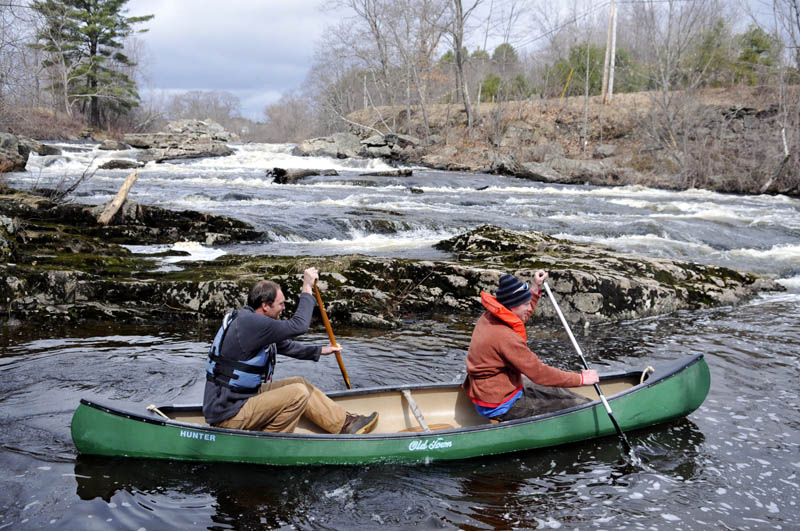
(121, 164)
(8, 231)
(13, 155)
(366, 320)
(282, 176)
(46, 150)
(65, 265)
(113, 145)
(375, 152)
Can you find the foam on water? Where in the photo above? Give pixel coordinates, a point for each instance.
(630, 242)
(363, 241)
(783, 252)
(197, 251)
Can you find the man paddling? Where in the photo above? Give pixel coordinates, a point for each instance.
(505, 380)
(240, 393)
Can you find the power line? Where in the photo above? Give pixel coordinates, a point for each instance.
(569, 22)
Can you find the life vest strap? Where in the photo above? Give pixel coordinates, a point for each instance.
(236, 365)
(223, 383)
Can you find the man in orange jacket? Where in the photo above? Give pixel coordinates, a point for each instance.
(505, 380)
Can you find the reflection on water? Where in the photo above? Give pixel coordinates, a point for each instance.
(530, 486)
(732, 463)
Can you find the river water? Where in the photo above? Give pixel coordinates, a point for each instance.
(732, 464)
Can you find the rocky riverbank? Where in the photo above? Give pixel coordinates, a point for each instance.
(57, 262)
(726, 140)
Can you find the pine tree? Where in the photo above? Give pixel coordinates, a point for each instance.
(84, 41)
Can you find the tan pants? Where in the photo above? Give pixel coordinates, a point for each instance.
(279, 405)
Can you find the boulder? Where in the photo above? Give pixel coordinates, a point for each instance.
(183, 139)
(541, 172)
(402, 141)
(200, 129)
(113, 145)
(121, 164)
(337, 145)
(13, 154)
(376, 152)
(195, 150)
(49, 150)
(501, 164)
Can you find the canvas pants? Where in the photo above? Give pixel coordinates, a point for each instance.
(538, 399)
(280, 404)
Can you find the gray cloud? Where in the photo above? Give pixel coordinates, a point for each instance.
(254, 49)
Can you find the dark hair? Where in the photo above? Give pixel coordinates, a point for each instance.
(263, 291)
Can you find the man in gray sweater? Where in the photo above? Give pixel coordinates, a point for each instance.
(240, 393)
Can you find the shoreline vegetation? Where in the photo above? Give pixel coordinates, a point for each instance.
(733, 141)
(59, 262)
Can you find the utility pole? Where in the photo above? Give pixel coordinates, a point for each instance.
(613, 52)
(608, 64)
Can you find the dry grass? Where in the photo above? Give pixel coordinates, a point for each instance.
(40, 123)
(724, 139)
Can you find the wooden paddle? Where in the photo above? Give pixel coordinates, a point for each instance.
(622, 437)
(330, 335)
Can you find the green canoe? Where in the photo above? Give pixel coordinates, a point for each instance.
(454, 430)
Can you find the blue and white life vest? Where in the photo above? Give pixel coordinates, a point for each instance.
(240, 376)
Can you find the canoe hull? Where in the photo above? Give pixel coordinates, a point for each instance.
(101, 430)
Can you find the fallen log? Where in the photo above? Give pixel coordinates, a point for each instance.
(390, 173)
(283, 176)
(119, 199)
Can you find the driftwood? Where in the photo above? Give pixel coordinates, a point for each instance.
(390, 173)
(116, 203)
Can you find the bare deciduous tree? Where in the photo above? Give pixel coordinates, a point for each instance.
(457, 28)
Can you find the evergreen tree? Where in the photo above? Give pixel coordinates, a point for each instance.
(84, 39)
(757, 57)
(505, 57)
(573, 70)
(712, 55)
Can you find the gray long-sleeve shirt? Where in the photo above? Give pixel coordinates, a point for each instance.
(246, 336)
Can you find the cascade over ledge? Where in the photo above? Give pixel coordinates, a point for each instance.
(57, 262)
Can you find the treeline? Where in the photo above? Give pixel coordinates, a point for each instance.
(72, 64)
(411, 53)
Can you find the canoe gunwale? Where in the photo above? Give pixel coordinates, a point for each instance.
(666, 371)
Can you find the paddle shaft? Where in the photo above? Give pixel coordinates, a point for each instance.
(621, 434)
(330, 335)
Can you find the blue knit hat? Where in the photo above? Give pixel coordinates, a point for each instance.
(511, 292)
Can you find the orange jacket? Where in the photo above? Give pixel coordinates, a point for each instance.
(499, 356)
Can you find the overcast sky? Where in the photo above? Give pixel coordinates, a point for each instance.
(256, 49)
